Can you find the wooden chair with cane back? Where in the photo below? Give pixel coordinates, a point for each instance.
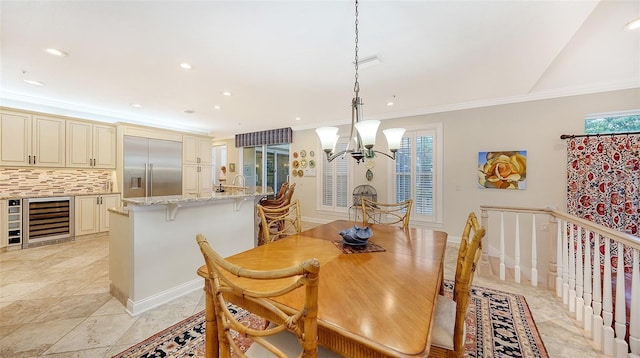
(280, 194)
(448, 335)
(386, 213)
(285, 199)
(278, 222)
(291, 333)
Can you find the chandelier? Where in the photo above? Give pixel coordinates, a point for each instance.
(365, 130)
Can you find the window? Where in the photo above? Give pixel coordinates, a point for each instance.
(620, 122)
(274, 157)
(418, 173)
(335, 180)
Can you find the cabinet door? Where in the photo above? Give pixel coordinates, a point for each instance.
(87, 217)
(15, 138)
(205, 182)
(189, 150)
(204, 151)
(49, 141)
(79, 144)
(104, 146)
(189, 179)
(108, 201)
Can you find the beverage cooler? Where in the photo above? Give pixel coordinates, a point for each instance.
(14, 222)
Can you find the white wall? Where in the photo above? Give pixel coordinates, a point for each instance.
(532, 126)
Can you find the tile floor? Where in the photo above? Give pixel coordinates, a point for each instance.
(55, 302)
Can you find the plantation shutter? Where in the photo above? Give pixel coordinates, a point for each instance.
(403, 171)
(335, 179)
(424, 174)
(415, 172)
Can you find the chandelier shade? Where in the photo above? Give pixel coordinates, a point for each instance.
(365, 130)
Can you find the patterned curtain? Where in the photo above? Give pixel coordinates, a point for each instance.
(603, 175)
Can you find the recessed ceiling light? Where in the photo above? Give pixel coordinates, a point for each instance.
(136, 105)
(56, 52)
(217, 107)
(298, 118)
(633, 25)
(226, 93)
(34, 82)
(189, 111)
(390, 104)
(185, 65)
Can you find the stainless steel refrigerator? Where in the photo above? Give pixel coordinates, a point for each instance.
(152, 167)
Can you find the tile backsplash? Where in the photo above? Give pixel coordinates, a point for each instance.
(21, 182)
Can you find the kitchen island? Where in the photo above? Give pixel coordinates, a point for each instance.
(153, 255)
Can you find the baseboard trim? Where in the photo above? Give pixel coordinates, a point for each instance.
(134, 308)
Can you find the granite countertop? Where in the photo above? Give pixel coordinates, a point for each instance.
(177, 199)
(53, 195)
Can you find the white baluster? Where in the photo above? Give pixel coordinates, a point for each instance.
(597, 293)
(621, 309)
(534, 253)
(634, 325)
(502, 266)
(607, 305)
(588, 310)
(560, 249)
(579, 277)
(516, 268)
(565, 264)
(572, 268)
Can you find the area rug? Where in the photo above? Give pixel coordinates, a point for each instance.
(186, 338)
(499, 324)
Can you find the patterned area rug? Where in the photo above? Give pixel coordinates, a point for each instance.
(186, 338)
(499, 324)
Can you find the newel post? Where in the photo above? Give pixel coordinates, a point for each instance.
(484, 269)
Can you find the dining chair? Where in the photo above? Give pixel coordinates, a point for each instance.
(386, 213)
(285, 199)
(291, 333)
(448, 334)
(280, 193)
(278, 222)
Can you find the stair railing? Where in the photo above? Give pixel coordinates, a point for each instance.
(611, 315)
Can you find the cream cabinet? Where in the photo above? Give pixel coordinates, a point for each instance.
(91, 145)
(91, 213)
(197, 180)
(196, 150)
(31, 140)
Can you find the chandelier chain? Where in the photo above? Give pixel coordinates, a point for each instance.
(356, 85)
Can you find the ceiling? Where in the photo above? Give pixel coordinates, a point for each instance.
(283, 60)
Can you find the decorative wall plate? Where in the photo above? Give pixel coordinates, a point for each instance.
(303, 153)
(369, 164)
(312, 153)
(369, 175)
(300, 172)
(312, 163)
(296, 164)
(295, 154)
(303, 163)
(294, 172)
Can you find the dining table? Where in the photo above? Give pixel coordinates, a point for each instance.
(377, 300)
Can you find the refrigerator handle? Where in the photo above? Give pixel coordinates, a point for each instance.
(146, 180)
(150, 180)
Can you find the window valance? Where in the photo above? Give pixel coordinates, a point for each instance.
(273, 136)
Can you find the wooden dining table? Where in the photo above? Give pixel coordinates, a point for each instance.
(373, 304)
